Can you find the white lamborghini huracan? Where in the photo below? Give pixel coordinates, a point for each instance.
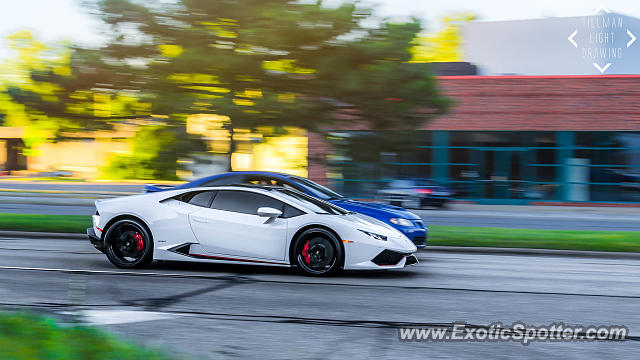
(245, 224)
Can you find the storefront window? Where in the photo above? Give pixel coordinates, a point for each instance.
(528, 165)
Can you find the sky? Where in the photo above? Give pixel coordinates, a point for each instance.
(56, 20)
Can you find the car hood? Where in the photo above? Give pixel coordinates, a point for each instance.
(373, 209)
(395, 239)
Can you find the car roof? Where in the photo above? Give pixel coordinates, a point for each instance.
(197, 182)
(230, 173)
(266, 188)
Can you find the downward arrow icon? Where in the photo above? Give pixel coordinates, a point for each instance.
(602, 69)
(633, 38)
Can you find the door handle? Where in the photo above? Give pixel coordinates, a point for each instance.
(200, 220)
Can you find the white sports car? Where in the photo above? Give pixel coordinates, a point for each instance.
(245, 224)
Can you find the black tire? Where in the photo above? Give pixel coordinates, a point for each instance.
(317, 252)
(129, 244)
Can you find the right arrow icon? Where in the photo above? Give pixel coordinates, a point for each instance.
(633, 38)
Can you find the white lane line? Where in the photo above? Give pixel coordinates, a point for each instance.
(112, 317)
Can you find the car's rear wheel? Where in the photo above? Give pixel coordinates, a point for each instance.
(129, 244)
(317, 252)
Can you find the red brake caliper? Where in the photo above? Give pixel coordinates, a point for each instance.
(305, 253)
(139, 241)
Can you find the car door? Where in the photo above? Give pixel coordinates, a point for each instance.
(231, 226)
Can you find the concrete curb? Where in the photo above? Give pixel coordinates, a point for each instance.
(34, 234)
(68, 202)
(534, 252)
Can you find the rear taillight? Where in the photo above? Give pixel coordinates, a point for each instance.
(423, 191)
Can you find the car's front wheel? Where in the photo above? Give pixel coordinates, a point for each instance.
(317, 252)
(129, 244)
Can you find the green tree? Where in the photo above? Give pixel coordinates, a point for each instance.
(270, 63)
(445, 44)
(155, 155)
(261, 63)
(52, 89)
(16, 84)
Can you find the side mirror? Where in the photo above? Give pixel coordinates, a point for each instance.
(269, 212)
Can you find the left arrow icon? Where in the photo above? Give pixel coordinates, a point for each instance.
(574, 33)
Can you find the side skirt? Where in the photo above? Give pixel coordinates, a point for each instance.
(184, 250)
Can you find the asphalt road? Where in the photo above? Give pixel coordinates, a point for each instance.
(221, 311)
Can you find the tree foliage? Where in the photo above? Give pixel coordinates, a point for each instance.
(271, 62)
(155, 155)
(445, 44)
(61, 88)
(260, 63)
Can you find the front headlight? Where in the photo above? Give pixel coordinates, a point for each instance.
(375, 236)
(400, 222)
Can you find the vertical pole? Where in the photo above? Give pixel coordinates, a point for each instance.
(565, 142)
(440, 156)
(502, 172)
(478, 188)
(528, 173)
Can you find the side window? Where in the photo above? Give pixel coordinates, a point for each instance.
(290, 211)
(285, 184)
(261, 180)
(237, 201)
(225, 180)
(268, 180)
(200, 198)
(248, 203)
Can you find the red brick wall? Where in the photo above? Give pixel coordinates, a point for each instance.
(550, 103)
(317, 151)
(512, 103)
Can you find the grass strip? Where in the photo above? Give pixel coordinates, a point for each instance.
(28, 336)
(624, 241)
(45, 223)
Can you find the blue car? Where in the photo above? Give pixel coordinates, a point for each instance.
(408, 223)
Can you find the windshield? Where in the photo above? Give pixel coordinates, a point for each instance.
(317, 189)
(317, 206)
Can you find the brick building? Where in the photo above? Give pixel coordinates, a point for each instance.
(522, 138)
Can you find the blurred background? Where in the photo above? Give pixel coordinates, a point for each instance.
(493, 102)
(521, 117)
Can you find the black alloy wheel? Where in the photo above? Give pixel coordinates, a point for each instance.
(318, 253)
(129, 244)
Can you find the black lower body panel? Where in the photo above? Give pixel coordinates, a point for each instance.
(95, 240)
